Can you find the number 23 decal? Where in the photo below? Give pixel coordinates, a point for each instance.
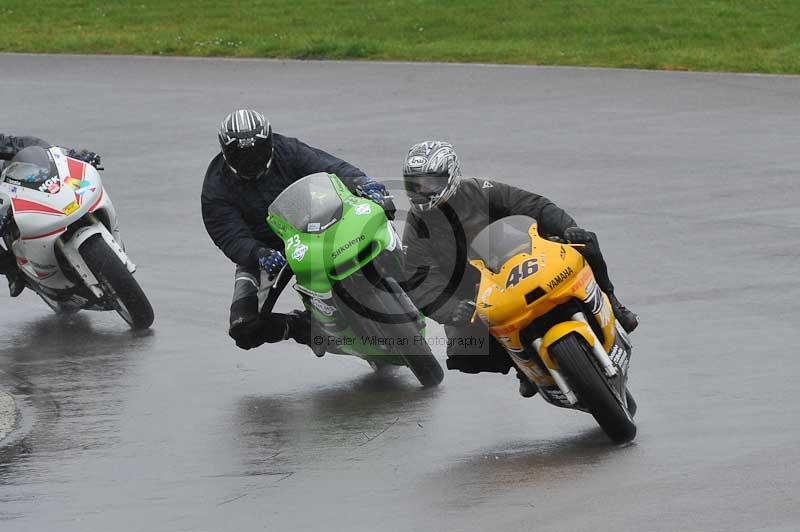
(522, 271)
(292, 241)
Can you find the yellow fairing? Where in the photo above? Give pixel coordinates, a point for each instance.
(531, 284)
(559, 331)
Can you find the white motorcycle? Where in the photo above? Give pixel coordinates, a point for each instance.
(65, 236)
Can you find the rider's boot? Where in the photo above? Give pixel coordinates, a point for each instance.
(16, 283)
(526, 387)
(302, 330)
(8, 266)
(626, 318)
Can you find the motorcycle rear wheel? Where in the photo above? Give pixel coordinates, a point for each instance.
(593, 388)
(117, 283)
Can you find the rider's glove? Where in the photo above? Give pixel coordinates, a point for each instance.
(578, 235)
(372, 191)
(376, 192)
(271, 261)
(85, 156)
(462, 314)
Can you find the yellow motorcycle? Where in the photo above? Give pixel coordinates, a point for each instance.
(540, 301)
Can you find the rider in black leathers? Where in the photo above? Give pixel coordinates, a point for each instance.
(448, 213)
(9, 146)
(254, 166)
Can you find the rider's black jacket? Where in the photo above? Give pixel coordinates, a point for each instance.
(235, 210)
(437, 269)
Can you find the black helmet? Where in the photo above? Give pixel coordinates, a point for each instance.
(246, 140)
(431, 174)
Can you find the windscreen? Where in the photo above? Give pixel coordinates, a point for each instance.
(501, 240)
(310, 205)
(33, 168)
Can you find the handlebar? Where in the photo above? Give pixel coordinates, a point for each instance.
(559, 240)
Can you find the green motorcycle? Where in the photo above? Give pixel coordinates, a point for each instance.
(347, 259)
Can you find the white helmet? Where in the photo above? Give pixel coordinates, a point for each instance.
(431, 174)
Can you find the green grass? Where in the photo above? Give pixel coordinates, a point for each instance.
(721, 35)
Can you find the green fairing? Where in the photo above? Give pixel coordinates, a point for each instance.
(337, 248)
(335, 253)
(329, 237)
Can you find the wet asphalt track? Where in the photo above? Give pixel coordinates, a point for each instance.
(691, 180)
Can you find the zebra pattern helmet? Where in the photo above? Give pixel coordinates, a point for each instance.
(246, 140)
(431, 174)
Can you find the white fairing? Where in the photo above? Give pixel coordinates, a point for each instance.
(43, 216)
(70, 249)
(395, 237)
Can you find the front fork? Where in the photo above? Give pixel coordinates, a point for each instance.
(534, 369)
(70, 248)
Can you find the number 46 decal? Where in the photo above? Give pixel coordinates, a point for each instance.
(522, 271)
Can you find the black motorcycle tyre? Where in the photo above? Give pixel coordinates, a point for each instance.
(595, 391)
(381, 308)
(117, 282)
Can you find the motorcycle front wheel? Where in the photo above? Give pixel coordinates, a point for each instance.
(117, 282)
(396, 319)
(594, 390)
(632, 406)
